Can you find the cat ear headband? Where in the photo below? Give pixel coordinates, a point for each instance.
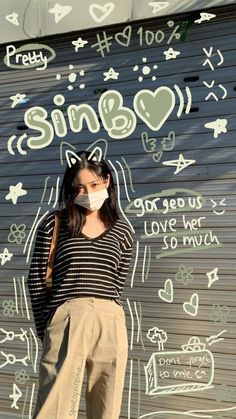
(72, 158)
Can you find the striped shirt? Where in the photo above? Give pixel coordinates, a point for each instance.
(83, 266)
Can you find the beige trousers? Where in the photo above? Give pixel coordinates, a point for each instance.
(84, 333)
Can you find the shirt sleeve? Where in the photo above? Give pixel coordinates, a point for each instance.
(126, 253)
(37, 273)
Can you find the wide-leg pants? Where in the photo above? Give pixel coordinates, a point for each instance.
(84, 333)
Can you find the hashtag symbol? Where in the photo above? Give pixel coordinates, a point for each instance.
(103, 44)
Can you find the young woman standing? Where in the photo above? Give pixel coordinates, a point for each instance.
(82, 322)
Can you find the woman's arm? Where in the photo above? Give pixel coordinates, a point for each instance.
(126, 253)
(37, 273)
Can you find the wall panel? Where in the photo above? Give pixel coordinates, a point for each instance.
(187, 293)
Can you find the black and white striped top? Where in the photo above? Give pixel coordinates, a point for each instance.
(83, 267)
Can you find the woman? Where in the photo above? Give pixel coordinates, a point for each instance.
(82, 322)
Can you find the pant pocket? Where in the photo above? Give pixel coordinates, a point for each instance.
(56, 334)
(118, 307)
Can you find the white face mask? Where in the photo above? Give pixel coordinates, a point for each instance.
(92, 201)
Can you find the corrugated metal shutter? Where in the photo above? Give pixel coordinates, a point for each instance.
(172, 293)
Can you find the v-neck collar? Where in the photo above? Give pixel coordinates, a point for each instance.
(99, 236)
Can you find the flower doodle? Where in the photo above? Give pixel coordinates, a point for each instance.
(17, 233)
(184, 274)
(8, 308)
(21, 376)
(223, 392)
(219, 314)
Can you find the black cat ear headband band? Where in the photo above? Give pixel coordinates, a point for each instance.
(72, 158)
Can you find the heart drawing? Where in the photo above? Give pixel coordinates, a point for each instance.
(157, 156)
(167, 294)
(100, 13)
(154, 107)
(123, 38)
(191, 307)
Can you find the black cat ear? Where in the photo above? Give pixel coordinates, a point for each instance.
(102, 144)
(96, 154)
(71, 158)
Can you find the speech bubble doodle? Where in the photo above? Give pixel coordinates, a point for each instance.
(30, 55)
(171, 372)
(154, 108)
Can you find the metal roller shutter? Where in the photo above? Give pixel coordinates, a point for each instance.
(180, 294)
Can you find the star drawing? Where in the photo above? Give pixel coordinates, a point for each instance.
(180, 164)
(219, 126)
(15, 192)
(204, 17)
(158, 5)
(80, 43)
(5, 256)
(60, 11)
(111, 74)
(212, 277)
(18, 98)
(171, 54)
(13, 18)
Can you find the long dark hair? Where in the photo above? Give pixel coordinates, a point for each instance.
(75, 213)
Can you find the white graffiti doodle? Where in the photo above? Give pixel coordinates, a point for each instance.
(222, 203)
(13, 18)
(11, 359)
(191, 307)
(205, 17)
(158, 5)
(219, 126)
(167, 293)
(111, 74)
(180, 164)
(212, 277)
(79, 43)
(10, 335)
(60, 11)
(5, 256)
(17, 394)
(210, 85)
(15, 192)
(209, 55)
(193, 367)
(171, 54)
(100, 13)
